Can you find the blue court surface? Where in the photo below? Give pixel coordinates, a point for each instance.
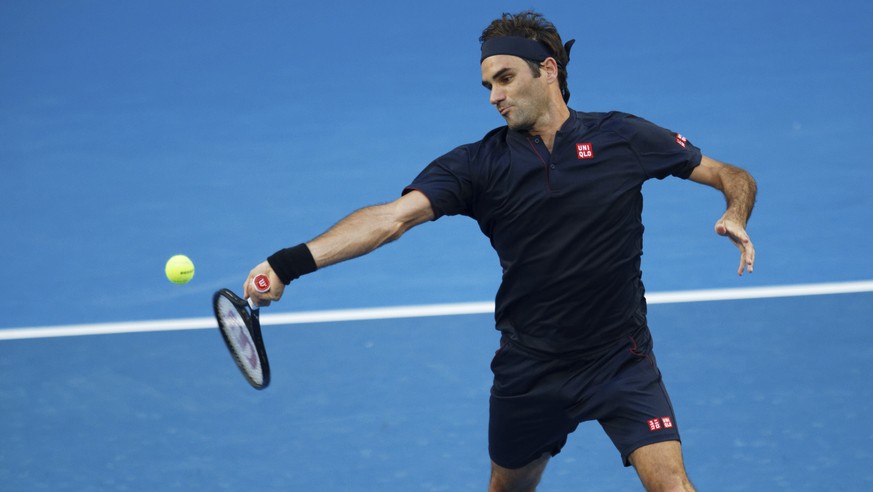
(227, 130)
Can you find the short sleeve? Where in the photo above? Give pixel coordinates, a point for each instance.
(661, 152)
(447, 183)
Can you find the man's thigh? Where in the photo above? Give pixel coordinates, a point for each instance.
(633, 406)
(527, 412)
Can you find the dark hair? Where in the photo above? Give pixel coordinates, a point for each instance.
(531, 25)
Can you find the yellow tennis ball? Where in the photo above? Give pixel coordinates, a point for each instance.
(179, 269)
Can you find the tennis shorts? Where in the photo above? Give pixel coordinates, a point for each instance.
(537, 400)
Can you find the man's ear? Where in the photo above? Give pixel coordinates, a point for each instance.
(550, 65)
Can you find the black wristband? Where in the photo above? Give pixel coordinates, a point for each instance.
(291, 263)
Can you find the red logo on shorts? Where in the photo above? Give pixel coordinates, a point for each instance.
(661, 423)
(681, 140)
(584, 151)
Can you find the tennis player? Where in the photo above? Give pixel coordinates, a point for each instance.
(558, 193)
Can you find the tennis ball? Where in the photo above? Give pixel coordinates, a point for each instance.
(179, 269)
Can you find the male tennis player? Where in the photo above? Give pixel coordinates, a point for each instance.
(558, 192)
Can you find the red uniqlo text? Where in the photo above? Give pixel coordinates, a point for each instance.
(584, 151)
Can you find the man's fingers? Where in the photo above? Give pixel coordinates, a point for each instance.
(743, 263)
(247, 290)
(747, 256)
(741, 240)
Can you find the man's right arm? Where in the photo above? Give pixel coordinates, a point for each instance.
(368, 228)
(740, 190)
(356, 235)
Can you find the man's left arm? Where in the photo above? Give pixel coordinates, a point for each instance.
(739, 191)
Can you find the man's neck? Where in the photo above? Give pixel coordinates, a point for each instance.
(552, 121)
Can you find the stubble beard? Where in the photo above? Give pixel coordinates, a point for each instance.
(520, 120)
(525, 112)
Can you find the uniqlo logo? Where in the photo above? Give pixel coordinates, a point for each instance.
(584, 151)
(681, 140)
(661, 423)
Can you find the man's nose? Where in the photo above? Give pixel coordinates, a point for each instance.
(497, 95)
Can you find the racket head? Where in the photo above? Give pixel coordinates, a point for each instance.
(241, 331)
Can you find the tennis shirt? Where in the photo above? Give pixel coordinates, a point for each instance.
(566, 225)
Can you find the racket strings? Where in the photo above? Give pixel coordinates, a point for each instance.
(242, 337)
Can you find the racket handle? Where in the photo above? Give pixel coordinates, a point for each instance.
(260, 283)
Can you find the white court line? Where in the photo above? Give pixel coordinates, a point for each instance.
(420, 311)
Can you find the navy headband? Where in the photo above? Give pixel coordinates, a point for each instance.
(516, 46)
(520, 47)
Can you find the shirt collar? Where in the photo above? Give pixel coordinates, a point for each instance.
(566, 127)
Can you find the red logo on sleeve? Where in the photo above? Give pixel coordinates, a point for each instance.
(681, 140)
(584, 151)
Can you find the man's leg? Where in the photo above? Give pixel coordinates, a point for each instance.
(524, 479)
(661, 468)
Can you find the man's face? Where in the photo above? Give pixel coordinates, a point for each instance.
(520, 97)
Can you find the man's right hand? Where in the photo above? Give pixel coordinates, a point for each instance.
(262, 299)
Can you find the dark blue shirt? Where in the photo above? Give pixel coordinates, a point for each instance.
(566, 226)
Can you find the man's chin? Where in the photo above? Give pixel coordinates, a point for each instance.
(519, 126)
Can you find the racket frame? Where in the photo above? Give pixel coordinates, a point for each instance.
(251, 319)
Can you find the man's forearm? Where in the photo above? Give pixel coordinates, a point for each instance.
(740, 191)
(357, 234)
(368, 228)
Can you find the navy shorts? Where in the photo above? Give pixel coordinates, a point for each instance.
(538, 400)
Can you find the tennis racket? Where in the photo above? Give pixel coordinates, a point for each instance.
(240, 327)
